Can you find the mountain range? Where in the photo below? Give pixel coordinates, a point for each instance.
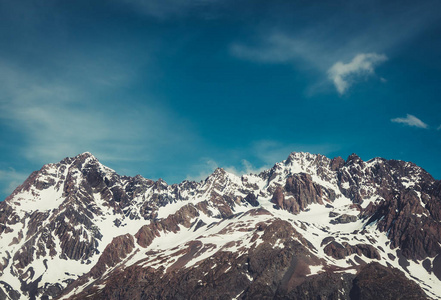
(310, 227)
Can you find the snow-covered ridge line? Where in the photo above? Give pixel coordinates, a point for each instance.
(68, 213)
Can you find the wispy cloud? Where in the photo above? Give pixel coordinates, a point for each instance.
(11, 179)
(263, 153)
(344, 75)
(246, 167)
(207, 167)
(306, 54)
(275, 48)
(270, 152)
(411, 121)
(439, 127)
(202, 170)
(338, 49)
(58, 117)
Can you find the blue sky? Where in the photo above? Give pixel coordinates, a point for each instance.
(174, 88)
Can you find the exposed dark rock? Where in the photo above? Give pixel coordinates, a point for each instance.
(199, 224)
(343, 219)
(300, 191)
(327, 285)
(378, 282)
(7, 292)
(146, 234)
(118, 249)
(252, 199)
(327, 240)
(337, 163)
(437, 266)
(304, 190)
(340, 251)
(279, 198)
(417, 236)
(427, 264)
(274, 272)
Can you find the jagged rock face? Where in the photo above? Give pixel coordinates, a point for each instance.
(252, 199)
(343, 219)
(299, 192)
(373, 281)
(408, 223)
(224, 276)
(310, 227)
(340, 251)
(377, 282)
(407, 202)
(113, 254)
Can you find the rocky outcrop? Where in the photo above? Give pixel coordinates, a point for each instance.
(252, 199)
(116, 251)
(359, 180)
(327, 285)
(408, 228)
(375, 281)
(408, 202)
(434, 206)
(343, 219)
(336, 163)
(147, 233)
(262, 272)
(8, 217)
(279, 200)
(299, 192)
(340, 251)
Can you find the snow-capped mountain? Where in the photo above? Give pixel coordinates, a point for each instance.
(308, 228)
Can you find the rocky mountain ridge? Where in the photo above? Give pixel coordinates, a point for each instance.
(76, 229)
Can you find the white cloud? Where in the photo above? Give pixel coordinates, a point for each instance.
(207, 167)
(344, 75)
(412, 121)
(338, 37)
(439, 127)
(246, 168)
(265, 153)
(271, 152)
(302, 52)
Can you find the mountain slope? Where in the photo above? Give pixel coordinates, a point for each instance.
(308, 227)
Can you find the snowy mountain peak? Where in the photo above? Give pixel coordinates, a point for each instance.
(218, 172)
(80, 158)
(77, 228)
(305, 157)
